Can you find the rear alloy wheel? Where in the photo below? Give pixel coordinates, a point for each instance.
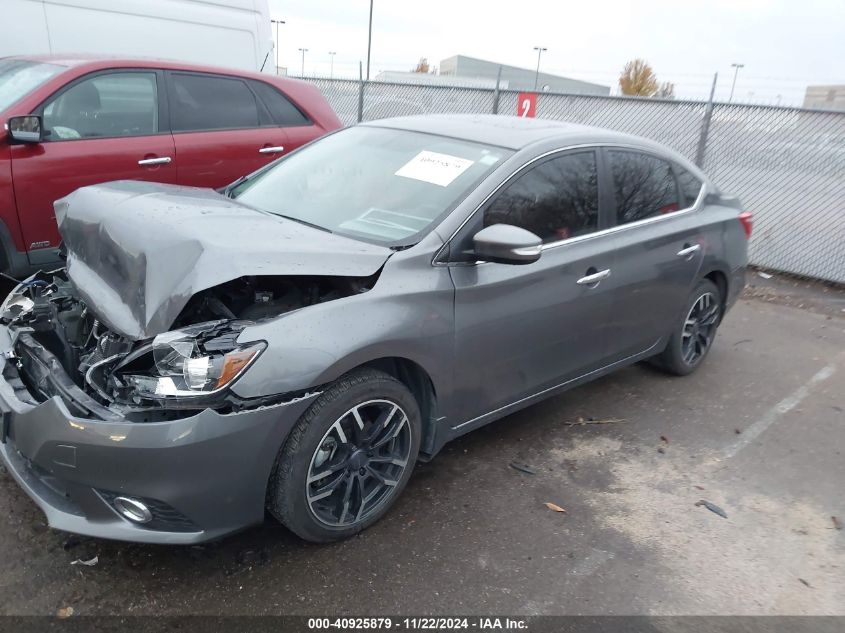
(699, 328)
(692, 339)
(348, 458)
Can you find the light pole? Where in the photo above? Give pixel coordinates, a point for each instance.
(539, 50)
(277, 23)
(303, 51)
(370, 40)
(733, 85)
(331, 72)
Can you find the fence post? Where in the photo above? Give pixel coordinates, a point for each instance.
(705, 126)
(360, 92)
(496, 92)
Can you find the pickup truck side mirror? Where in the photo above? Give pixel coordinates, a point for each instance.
(26, 129)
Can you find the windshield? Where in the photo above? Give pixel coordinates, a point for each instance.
(372, 183)
(18, 77)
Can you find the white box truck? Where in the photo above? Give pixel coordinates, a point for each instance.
(231, 33)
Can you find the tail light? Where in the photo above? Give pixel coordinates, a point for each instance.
(747, 220)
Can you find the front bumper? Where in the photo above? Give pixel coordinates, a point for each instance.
(204, 476)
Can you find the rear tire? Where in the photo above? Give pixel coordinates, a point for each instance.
(348, 458)
(692, 337)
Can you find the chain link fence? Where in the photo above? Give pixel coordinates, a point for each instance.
(787, 165)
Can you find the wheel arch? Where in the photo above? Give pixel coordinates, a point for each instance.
(720, 278)
(418, 381)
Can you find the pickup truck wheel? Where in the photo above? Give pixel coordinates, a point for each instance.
(693, 336)
(348, 458)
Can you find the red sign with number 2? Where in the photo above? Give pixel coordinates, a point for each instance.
(526, 105)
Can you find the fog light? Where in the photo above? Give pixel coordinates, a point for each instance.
(133, 510)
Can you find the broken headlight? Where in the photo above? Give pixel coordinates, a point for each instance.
(189, 363)
(18, 302)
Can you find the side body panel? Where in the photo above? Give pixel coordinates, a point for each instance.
(10, 236)
(215, 158)
(45, 172)
(408, 314)
(522, 329)
(651, 282)
(725, 247)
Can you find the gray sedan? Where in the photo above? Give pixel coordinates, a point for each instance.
(298, 341)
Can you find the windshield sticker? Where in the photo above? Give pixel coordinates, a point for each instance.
(438, 169)
(489, 159)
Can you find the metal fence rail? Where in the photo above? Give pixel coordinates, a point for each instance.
(787, 165)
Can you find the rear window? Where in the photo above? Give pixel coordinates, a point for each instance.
(206, 102)
(281, 109)
(644, 186)
(20, 77)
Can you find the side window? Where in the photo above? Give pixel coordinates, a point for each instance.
(283, 111)
(690, 187)
(205, 102)
(644, 186)
(556, 200)
(110, 105)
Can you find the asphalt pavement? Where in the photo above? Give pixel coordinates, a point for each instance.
(758, 433)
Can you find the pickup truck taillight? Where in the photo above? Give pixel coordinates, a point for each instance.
(747, 220)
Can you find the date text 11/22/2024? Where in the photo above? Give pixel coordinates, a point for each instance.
(419, 623)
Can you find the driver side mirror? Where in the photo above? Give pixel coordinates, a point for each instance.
(26, 129)
(507, 244)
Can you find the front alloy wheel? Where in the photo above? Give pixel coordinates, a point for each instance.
(348, 458)
(358, 463)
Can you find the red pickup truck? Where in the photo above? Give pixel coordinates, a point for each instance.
(68, 123)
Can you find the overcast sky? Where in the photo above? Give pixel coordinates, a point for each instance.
(784, 44)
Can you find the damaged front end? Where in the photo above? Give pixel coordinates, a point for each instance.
(61, 348)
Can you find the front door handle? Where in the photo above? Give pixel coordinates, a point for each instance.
(687, 251)
(164, 160)
(271, 150)
(594, 278)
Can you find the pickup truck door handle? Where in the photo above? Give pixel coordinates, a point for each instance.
(271, 150)
(164, 160)
(594, 278)
(687, 251)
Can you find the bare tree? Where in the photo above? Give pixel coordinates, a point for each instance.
(638, 79)
(666, 90)
(422, 66)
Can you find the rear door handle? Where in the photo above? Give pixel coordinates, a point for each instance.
(594, 278)
(271, 150)
(689, 250)
(164, 160)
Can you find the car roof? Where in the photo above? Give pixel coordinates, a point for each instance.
(101, 62)
(510, 131)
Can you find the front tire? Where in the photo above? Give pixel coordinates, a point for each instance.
(693, 336)
(348, 458)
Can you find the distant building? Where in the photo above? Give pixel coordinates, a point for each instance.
(516, 78)
(825, 97)
(408, 77)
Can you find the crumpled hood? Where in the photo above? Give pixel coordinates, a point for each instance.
(138, 251)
